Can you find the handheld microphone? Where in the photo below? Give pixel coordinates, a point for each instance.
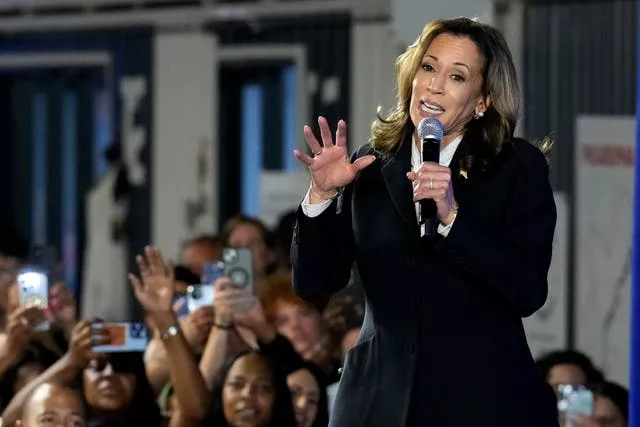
(430, 132)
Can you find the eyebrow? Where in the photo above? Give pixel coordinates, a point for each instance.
(462, 64)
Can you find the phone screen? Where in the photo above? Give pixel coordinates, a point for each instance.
(125, 337)
(33, 291)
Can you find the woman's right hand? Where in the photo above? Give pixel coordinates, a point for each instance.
(86, 335)
(330, 166)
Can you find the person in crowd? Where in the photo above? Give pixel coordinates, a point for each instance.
(344, 316)
(249, 391)
(302, 324)
(568, 367)
(245, 232)
(443, 328)
(114, 387)
(196, 327)
(199, 251)
(610, 407)
(25, 352)
(52, 404)
(308, 386)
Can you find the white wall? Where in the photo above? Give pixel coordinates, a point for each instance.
(373, 52)
(185, 116)
(409, 16)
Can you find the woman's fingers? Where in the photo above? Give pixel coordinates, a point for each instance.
(311, 139)
(363, 162)
(341, 134)
(325, 133)
(303, 157)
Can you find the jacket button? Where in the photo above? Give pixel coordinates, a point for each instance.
(411, 261)
(411, 349)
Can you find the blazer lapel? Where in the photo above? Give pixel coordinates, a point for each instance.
(460, 171)
(394, 173)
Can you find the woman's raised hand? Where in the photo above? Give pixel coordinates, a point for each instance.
(330, 166)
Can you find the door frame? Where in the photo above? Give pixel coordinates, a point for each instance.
(295, 53)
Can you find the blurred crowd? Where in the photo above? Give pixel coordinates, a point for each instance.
(259, 358)
(247, 359)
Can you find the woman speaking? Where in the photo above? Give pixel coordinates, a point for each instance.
(442, 342)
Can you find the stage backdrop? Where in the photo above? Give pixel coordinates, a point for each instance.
(547, 328)
(604, 159)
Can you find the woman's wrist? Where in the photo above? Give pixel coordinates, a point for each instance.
(164, 320)
(453, 213)
(317, 196)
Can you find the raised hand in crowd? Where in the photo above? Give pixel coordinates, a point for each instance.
(20, 328)
(330, 166)
(196, 326)
(155, 291)
(155, 288)
(85, 335)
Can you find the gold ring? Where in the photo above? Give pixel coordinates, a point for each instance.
(430, 184)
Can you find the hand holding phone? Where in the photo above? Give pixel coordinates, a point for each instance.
(33, 291)
(574, 400)
(85, 335)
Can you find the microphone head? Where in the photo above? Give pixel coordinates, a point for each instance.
(430, 128)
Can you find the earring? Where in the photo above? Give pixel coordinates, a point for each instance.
(478, 115)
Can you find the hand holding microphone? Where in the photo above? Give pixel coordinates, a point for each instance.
(432, 182)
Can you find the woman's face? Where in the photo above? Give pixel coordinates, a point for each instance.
(53, 405)
(448, 84)
(248, 393)
(300, 324)
(607, 413)
(106, 390)
(249, 236)
(305, 393)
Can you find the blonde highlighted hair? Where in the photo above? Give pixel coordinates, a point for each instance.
(500, 85)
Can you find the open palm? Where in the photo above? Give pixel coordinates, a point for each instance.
(155, 291)
(330, 166)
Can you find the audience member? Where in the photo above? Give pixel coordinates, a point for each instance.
(51, 404)
(568, 367)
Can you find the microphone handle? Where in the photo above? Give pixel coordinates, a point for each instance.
(428, 211)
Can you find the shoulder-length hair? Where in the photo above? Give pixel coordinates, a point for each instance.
(499, 84)
(282, 414)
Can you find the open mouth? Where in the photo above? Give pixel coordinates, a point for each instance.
(431, 108)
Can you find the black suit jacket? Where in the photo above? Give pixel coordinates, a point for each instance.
(442, 342)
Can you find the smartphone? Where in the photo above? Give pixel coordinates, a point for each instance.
(574, 400)
(238, 266)
(125, 337)
(199, 296)
(33, 291)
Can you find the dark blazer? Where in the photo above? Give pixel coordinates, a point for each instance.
(442, 342)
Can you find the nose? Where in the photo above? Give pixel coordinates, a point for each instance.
(248, 390)
(108, 370)
(436, 85)
(301, 402)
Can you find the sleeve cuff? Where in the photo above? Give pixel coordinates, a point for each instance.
(313, 211)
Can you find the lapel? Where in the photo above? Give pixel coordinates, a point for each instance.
(460, 167)
(394, 173)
